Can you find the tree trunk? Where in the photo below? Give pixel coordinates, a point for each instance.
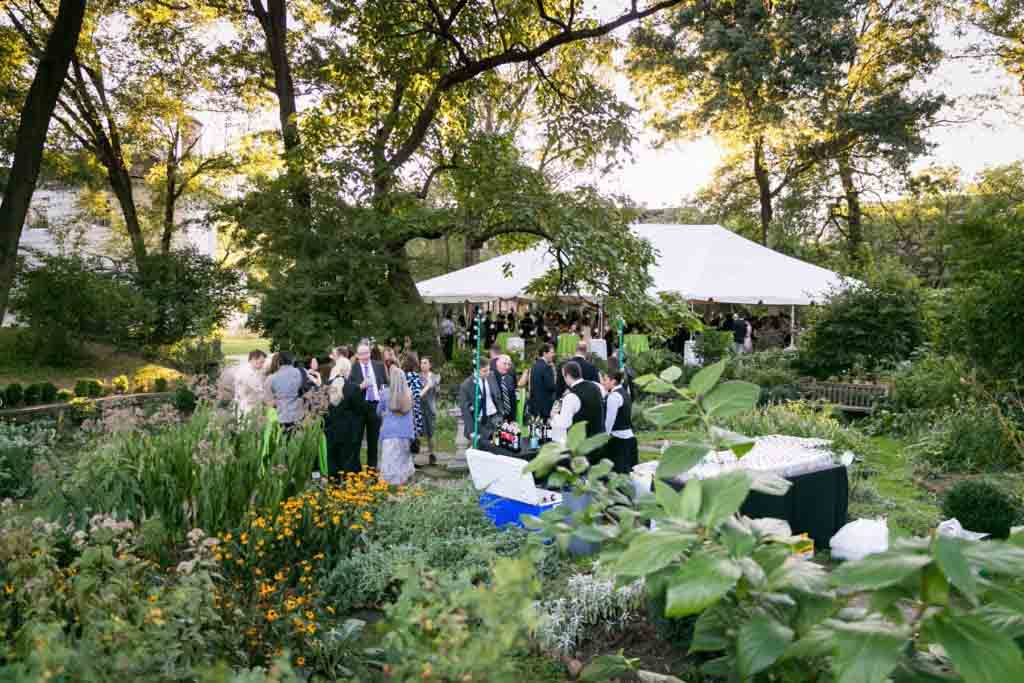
(854, 215)
(170, 194)
(121, 183)
(274, 22)
(31, 139)
(764, 188)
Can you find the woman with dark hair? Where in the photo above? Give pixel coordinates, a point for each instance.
(622, 448)
(344, 421)
(411, 368)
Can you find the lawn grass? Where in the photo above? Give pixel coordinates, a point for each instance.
(894, 491)
(241, 345)
(101, 362)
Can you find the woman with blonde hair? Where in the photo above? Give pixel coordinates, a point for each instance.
(397, 429)
(343, 423)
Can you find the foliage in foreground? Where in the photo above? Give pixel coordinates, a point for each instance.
(764, 611)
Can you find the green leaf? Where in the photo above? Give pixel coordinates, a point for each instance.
(710, 631)
(1003, 611)
(550, 455)
(760, 643)
(653, 551)
(817, 642)
(668, 498)
(591, 444)
(867, 651)
(577, 433)
(689, 503)
(979, 653)
(731, 398)
(723, 439)
(950, 558)
(722, 496)
(644, 380)
(671, 374)
(705, 380)
(736, 538)
(997, 557)
(680, 458)
(879, 571)
(665, 414)
(799, 575)
(699, 584)
(607, 667)
(658, 386)
(601, 469)
(579, 464)
(934, 587)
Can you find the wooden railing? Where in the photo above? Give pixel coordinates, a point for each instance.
(853, 398)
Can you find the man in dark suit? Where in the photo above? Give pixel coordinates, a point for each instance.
(371, 377)
(505, 386)
(542, 383)
(588, 369)
(487, 403)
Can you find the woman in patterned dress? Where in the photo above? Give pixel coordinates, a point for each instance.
(411, 368)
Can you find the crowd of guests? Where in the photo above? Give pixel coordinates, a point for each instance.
(387, 397)
(532, 326)
(748, 332)
(561, 396)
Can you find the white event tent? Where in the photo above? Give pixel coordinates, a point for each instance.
(701, 263)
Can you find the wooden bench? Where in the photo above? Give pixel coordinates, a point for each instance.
(852, 398)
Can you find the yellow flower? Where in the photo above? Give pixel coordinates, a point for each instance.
(310, 615)
(301, 661)
(8, 588)
(272, 615)
(311, 629)
(355, 527)
(218, 557)
(156, 616)
(151, 598)
(227, 538)
(368, 516)
(279, 576)
(244, 539)
(330, 609)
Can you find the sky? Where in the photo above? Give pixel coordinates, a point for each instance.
(663, 177)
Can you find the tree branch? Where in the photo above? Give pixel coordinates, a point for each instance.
(513, 55)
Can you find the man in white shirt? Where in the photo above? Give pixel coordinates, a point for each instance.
(249, 383)
(582, 403)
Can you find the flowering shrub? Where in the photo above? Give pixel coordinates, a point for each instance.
(82, 606)
(271, 563)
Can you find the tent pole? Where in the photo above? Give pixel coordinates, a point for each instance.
(792, 326)
(479, 322)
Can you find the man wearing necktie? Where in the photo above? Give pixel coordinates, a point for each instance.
(484, 387)
(505, 386)
(370, 377)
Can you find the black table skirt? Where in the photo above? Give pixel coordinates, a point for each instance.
(816, 504)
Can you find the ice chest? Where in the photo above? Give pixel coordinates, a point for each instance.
(506, 492)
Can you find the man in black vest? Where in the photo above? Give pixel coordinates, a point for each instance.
(582, 403)
(622, 448)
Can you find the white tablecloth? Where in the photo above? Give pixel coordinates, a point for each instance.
(516, 344)
(599, 347)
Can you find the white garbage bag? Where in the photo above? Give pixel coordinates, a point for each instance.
(860, 538)
(953, 528)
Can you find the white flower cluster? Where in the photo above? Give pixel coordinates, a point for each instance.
(594, 606)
